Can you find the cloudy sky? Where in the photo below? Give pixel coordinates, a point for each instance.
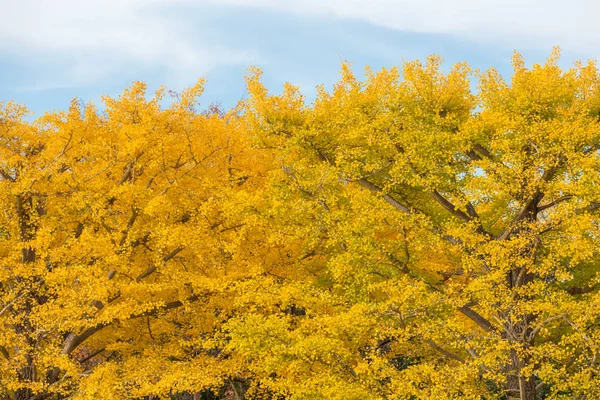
(54, 50)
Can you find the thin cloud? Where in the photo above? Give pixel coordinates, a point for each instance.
(93, 40)
(517, 23)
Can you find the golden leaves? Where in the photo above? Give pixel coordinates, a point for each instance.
(401, 236)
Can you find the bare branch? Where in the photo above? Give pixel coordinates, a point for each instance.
(78, 230)
(73, 340)
(520, 277)
(471, 210)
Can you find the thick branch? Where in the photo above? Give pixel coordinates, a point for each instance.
(474, 156)
(554, 202)
(471, 210)
(591, 207)
(459, 213)
(477, 318)
(376, 189)
(530, 204)
(581, 290)
(449, 206)
(73, 341)
(126, 173)
(483, 151)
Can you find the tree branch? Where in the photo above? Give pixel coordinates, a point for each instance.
(538, 328)
(73, 341)
(531, 202)
(376, 189)
(591, 207)
(92, 355)
(483, 151)
(4, 352)
(459, 213)
(6, 176)
(130, 222)
(474, 156)
(153, 268)
(477, 318)
(594, 147)
(443, 351)
(580, 290)
(554, 202)
(10, 303)
(126, 173)
(449, 206)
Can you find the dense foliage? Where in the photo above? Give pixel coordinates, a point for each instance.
(405, 236)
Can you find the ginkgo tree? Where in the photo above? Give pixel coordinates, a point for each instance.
(451, 234)
(406, 236)
(123, 233)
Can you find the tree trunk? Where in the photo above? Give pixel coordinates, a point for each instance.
(517, 386)
(23, 394)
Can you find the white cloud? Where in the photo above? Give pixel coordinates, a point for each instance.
(91, 40)
(516, 23)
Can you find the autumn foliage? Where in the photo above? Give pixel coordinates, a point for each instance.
(417, 234)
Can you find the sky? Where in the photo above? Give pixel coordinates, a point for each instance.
(54, 50)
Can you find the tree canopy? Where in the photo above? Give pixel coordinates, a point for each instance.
(420, 233)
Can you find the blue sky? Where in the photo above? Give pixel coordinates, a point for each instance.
(54, 50)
